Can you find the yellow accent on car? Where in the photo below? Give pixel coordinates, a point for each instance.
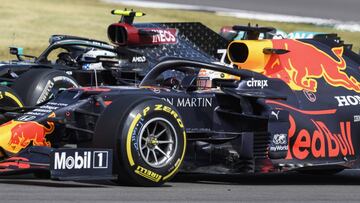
(148, 174)
(128, 139)
(13, 97)
(249, 54)
(127, 13)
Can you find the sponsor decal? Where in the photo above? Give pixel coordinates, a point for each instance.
(276, 114)
(348, 100)
(41, 111)
(302, 74)
(138, 59)
(148, 174)
(85, 160)
(356, 118)
(25, 132)
(160, 107)
(79, 163)
(320, 142)
(257, 83)
(190, 102)
(310, 96)
(17, 135)
(279, 142)
(164, 36)
(279, 148)
(26, 118)
(280, 139)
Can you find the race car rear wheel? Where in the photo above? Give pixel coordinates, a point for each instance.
(148, 138)
(38, 85)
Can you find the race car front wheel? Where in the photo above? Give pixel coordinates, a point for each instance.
(38, 85)
(148, 137)
(8, 98)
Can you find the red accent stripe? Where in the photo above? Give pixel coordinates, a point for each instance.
(343, 134)
(348, 129)
(313, 112)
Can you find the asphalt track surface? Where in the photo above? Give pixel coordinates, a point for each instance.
(290, 187)
(344, 10)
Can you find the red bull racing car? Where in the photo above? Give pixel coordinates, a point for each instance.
(288, 105)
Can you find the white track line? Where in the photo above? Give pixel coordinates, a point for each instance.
(339, 25)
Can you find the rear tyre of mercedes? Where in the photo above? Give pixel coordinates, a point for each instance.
(39, 85)
(148, 139)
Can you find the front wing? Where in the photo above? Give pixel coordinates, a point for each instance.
(61, 164)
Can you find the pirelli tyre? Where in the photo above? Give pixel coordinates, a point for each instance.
(38, 85)
(148, 138)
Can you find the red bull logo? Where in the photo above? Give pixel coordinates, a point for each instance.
(17, 135)
(304, 64)
(320, 143)
(25, 132)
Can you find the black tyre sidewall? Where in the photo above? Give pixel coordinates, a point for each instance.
(129, 131)
(37, 85)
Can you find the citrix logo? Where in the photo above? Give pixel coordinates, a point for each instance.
(72, 162)
(257, 83)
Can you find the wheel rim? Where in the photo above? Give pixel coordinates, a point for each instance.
(157, 142)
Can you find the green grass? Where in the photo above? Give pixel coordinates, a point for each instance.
(29, 23)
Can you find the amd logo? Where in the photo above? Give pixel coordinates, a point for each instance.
(138, 59)
(257, 83)
(86, 160)
(348, 100)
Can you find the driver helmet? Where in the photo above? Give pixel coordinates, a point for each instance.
(205, 78)
(91, 55)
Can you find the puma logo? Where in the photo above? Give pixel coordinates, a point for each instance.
(275, 114)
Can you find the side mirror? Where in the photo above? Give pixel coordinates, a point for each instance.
(19, 53)
(16, 51)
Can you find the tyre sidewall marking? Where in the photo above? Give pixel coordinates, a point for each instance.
(145, 112)
(51, 83)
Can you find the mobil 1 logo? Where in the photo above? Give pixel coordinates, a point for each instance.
(81, 164)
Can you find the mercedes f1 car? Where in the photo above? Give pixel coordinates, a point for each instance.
(75, 61)
(291, 105)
